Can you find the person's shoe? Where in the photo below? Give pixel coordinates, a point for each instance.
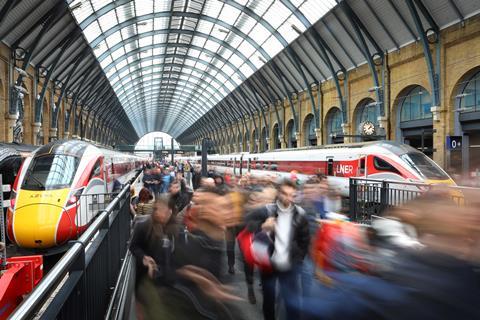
(251, 295)
(231, 270)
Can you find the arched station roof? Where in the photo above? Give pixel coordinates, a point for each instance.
(178, 66)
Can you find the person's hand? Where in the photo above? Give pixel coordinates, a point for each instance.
(269, 224)
(151, 265)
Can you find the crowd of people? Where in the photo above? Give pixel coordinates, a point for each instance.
(292, 238)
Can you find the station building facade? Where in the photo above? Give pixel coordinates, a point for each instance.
(449, 132)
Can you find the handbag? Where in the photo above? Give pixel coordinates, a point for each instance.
(257, 249)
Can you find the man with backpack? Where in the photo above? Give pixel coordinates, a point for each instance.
(286, 226)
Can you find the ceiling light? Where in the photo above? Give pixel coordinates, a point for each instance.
(144, 23)
(296, 29)
(262, 59)
(223, 30)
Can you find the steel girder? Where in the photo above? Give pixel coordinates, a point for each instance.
(433, 75)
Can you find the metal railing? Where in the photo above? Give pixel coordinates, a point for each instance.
(80, 285)
(372, 197)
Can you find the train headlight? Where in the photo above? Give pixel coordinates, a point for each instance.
(13, 197)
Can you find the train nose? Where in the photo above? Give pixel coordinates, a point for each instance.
(35, 226)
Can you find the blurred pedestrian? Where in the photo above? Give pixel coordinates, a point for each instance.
(287, 226)
(145, 202)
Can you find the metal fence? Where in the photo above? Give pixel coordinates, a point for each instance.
(372, 197)
(81, 284)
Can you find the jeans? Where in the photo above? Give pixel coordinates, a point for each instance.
(289, 286)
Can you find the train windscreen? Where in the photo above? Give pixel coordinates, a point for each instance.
(424, 166)
(51, 172)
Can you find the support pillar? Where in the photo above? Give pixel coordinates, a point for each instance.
(300, 142)
(36, 127)
(440, 131)
(52, 134)
(383, 124)
(282, 142)
(319, 135)
(346, 131)
(66, 135)
(11, 121)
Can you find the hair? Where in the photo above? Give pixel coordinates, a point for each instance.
(144, 195)
(286, 183)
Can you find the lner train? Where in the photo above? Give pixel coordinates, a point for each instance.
(47, 194)
(375, 160)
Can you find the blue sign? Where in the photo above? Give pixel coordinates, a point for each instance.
(454, 142)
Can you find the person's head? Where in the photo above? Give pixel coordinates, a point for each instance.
(207, 182)
(218, 180)
(286, 192)
(175, 187)
(144, 196)
(162, 210)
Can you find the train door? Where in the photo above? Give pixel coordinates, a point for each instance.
(235, 166)
(330, 170)
(249, 164)
(362, 171)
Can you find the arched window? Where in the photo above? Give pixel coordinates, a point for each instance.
(264, 139)
(366, 111)
(470, 95)
(334, 126)
(276, 142)
(415, 105)
(292, 139)
(310, 135)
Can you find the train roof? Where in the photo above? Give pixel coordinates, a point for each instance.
(70, 147)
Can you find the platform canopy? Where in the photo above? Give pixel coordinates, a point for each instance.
(171, 61)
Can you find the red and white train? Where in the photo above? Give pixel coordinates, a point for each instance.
(48, 205)
(384, 160)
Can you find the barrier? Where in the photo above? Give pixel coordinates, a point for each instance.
(372, 197)
(81, 284)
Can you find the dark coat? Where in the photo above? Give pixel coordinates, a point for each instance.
(301, 234)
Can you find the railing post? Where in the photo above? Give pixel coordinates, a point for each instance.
(383, 196)
(353, 198)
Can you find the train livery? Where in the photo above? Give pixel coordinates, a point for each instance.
(46, 196)
(384, 160)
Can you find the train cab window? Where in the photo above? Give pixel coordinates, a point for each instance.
(383, 165)
(51, 172)
(95, 170)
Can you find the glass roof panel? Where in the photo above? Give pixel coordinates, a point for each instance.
(142, 41)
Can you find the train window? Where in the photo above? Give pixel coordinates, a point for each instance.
(51, 172)
(258, 166)
(383, 165)
(424, 166)
(95, 170)
(274, 167)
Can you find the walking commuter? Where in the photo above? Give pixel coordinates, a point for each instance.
(179, 195)
(287, 226)
(145, 202)
(196, 177)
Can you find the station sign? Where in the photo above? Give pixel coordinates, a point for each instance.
(454, 142)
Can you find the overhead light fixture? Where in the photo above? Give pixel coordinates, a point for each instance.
(340, 75)
(372, 104)
(373, 89)
(296, 29)
(463, 95)
(144, 23)
(76, 6)
(262, 59)
(21, 71)
(223, 30)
